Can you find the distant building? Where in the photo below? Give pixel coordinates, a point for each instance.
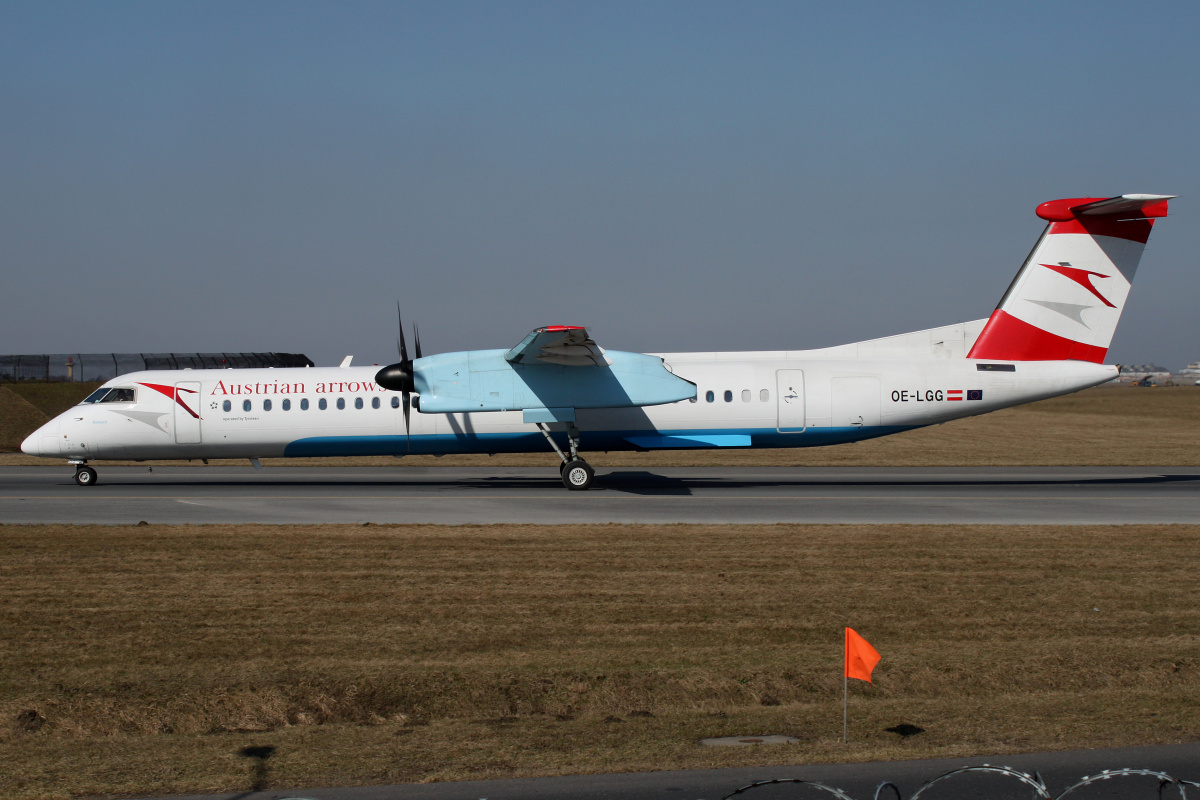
(1138, 372)
(1189, 374)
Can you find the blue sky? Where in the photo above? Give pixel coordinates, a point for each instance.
(677, 176)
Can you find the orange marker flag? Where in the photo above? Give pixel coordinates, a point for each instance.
(861, 658)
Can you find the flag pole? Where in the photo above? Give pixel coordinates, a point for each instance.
(845, 704)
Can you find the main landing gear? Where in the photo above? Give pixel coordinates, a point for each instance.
(84, 475)
(577, 474)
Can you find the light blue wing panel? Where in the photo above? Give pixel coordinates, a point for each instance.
(486, 380)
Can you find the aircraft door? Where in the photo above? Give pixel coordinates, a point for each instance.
(789, 400)
(187, 412)
(856, 402)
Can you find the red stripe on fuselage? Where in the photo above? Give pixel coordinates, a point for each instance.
(1006, 338)
(169, 391)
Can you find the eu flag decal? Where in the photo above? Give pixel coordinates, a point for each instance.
(974, 394)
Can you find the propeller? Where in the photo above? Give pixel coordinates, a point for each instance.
(398, 377)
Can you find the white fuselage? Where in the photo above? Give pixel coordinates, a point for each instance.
(748, 399)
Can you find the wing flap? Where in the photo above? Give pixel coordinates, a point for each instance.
(563, 345)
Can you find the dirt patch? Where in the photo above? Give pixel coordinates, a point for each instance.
(18, 419)
(52, 398)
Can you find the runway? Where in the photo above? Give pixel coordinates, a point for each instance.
(460, 495)
(859, 781)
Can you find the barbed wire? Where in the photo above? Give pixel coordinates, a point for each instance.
(1034, 782)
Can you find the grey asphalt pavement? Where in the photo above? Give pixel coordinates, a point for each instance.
(859, 781)
(460, 495)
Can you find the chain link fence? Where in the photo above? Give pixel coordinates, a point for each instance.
(92, 367)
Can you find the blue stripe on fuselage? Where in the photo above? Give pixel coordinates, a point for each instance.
(534, 442)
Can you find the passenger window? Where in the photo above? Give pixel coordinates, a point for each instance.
(358, 402)
(304, 404)
(321, 404)
(395, 401)
(341, 404)
(245, 405)
(226, 406)
(728, 396)
(267, 404)
(709, 396)
(287, 404)
(374, 402)
(764, 395)
(745, 395)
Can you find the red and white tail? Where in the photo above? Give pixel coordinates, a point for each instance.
(1065, 302)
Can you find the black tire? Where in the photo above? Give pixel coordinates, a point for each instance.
(577, 475)
(85, 476)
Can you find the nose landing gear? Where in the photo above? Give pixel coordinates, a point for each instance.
(85, 475)
(577, 474)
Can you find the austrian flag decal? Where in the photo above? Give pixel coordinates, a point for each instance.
(957, 394)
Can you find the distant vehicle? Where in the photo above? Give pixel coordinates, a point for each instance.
(1144, 382)
(559, 390)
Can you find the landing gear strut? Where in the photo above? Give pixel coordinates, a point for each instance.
(84, 475)
(577, 474)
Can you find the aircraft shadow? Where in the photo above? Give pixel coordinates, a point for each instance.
(643, 482)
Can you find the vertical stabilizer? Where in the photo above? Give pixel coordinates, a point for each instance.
(1065, 302)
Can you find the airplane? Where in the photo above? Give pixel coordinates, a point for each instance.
(559, 391)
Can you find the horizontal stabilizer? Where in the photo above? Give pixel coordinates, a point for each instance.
(1132, 205)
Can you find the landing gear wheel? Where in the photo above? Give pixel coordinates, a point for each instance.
(85, 476)
(577, 475)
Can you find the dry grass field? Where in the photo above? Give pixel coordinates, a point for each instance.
(139, 660)
(1109, 425)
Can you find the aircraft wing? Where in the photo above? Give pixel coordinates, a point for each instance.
(565, 345)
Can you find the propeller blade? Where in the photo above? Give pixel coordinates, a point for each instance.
(399, 377)
(407, 436)
(401, 342)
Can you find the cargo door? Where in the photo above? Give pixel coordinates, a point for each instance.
(856, 402)
(187, 413)
(789, 400)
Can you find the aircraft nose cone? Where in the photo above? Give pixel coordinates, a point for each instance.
(30, 446)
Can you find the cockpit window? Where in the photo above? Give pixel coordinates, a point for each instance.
(111, 394)
(118, 394)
